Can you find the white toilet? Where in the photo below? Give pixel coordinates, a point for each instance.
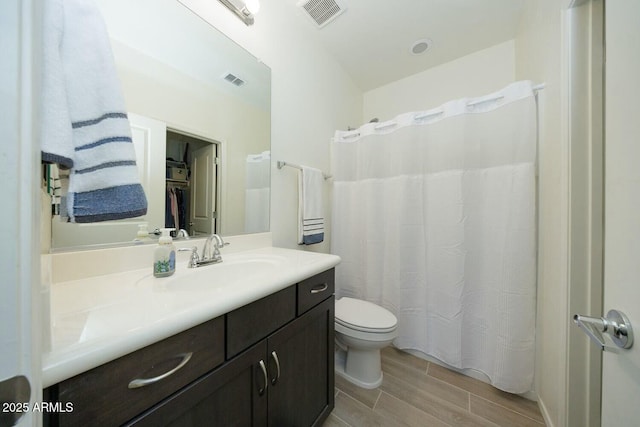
(362, 329)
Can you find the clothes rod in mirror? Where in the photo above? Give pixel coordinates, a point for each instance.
(282, 164)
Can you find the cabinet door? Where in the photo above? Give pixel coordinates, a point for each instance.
(232, 395)
(303, 392)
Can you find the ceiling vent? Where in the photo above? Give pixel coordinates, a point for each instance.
(234, 80)
(323, 11)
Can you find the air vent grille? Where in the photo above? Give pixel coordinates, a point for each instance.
(323, 11)
(234, 80)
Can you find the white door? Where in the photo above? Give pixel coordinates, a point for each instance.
(621, 371)
(20, 366)
(203, 190)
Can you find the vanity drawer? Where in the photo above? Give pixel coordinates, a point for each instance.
(102, 395)
(249, 324)
(314, 290)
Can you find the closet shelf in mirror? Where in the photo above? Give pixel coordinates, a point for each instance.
(177, 182)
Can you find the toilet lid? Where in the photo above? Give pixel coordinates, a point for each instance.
(364, 316)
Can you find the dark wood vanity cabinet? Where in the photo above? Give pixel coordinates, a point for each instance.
(303, 392)
(228, 396)
(278, 368)
(103, 396)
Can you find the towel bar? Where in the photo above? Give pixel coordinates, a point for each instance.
(282, 164)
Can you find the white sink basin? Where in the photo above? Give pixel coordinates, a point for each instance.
(233, 270)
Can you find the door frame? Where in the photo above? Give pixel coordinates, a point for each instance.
(21, 29)
(583, 53)
(220, 170)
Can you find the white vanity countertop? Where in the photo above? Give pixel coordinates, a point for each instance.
(98, 319)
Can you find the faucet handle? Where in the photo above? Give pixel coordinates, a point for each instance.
(194, 259)
(219, 244)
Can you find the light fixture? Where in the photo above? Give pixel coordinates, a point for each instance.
(243, 9)
(253, 6)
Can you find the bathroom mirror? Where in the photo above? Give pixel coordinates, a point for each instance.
(187, 87)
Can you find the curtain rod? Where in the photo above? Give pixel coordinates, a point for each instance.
(535, 88)
(282, 164)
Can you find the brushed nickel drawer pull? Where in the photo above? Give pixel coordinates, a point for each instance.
(266, 380)
(319, 288)
(139, 382)
(274, 356)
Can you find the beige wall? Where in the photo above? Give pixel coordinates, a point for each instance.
(477, 74)
(155, 90)
(312, 96)
(539, 58)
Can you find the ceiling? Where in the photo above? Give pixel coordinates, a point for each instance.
(373, 38)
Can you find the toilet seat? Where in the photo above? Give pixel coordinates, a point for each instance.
(364, 316)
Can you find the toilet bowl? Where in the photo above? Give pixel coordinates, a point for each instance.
(362, 329)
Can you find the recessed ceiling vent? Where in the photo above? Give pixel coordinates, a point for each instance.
(234, 80)
(323, 11)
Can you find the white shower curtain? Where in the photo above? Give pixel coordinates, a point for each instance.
(257, 192)
(434, 218)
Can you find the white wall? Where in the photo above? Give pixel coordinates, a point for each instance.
(477, 74)
(538, 58)
(312, 96)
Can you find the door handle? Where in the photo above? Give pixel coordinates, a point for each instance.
(275, 379)
(143, 382)
(616, 324)
(319, 288)
(15, 394)
(263, 368)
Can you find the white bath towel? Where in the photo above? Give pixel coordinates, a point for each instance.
(310, 209)
(85, 126)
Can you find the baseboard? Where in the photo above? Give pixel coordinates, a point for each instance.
(545, 413)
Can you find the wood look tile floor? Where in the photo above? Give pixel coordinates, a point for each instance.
(415, 392)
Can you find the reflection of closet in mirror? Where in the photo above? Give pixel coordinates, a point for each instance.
(192, 184)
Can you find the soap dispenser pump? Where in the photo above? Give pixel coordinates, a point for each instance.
(164, 261)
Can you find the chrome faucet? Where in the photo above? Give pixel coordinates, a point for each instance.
(211, 249)
(210, 252)
(182, 233)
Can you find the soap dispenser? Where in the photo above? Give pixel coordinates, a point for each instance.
(164, 261)
(142, 235)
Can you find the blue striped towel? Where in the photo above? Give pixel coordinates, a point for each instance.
(85, 126)
(310, 208)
